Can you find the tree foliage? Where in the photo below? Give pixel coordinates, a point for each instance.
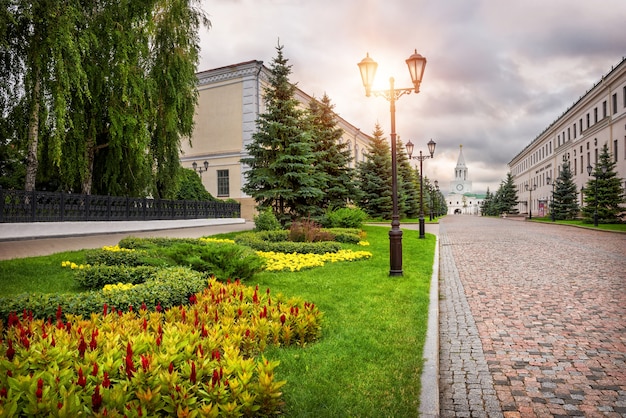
(565, 196)
(280, 156)
(101, 92)
(504, 200)
(408, 185)
(374, 178)
(603, 191)
(332, 157)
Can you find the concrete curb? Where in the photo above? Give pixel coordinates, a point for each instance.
(37, 230)
(429, 396)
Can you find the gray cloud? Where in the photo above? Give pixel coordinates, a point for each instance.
(498, 72)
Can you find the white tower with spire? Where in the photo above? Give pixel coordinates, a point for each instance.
(461, 183)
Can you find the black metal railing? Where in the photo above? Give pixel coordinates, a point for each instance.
(35, 206)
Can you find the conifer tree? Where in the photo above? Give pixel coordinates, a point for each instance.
(332, 157)
(280, 161)
(486, 208)
(507, 196)
(374, 177)
(565, 199)
(607, 194)
(408, 185)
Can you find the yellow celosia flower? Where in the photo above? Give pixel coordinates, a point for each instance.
(220, 240)
(363, 243)
(296, 262)
(119, 286)
(116, 248)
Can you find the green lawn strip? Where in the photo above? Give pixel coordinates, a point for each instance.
(42, 274)
(369, 360)
(606, 227)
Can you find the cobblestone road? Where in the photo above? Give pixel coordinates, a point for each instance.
(532, 320)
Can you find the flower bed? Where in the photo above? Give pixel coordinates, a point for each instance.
(201, 358)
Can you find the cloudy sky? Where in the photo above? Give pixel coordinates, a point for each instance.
(498, 73)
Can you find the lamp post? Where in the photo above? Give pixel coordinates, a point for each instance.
(549, 180)
(199, 170)
(421, 158)
(530, 199)
(437, 209)
(596, 175)
(435, 201)
(367, 67)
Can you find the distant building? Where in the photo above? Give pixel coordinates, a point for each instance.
(577, 136)
(229, 102)
(460, 198)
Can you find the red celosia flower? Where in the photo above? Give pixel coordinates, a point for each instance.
(53, 342)
(59, 313)
(215, 355)
(171, 367)
(82, 381)
(158, 307)
(216, 378)
(93, 344)
(3, 392)
(217, 317)
(105, 310)
(96, 399)
(159, 339)
(283, 318)
(145, 324)
(82, 346)
(39, 391)
(193, 299)
(59, 405)
(94, 371)
(192, 376)
(106, 382)
(145, 362)
(10, 351)
(130, 367)
(68, 327)
(143, 306)
(130, 308)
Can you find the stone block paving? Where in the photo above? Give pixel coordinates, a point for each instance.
(532, 320)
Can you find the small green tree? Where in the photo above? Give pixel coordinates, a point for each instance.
(408, 185)
(332, 157)
(604, 191)
(487, 207)
(190, 186)
(506, 196)
(281, 161)
(565, 199)
(374, 178)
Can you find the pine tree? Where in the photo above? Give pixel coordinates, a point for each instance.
(281, 171)
(332, 157)
(604, 191)
(507, 196)
(408, 185)
(486, 208)
(564, 198)
(374, 178)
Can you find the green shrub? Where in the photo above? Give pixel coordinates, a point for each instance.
(345, 218)
(167, 287)
(114, 258)
(266, 221)
(223, 260)
(99, 275)
(256, 241)
(135, 243)
(347, 235)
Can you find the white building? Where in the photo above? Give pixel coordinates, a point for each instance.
(460, 198)
(577, 136)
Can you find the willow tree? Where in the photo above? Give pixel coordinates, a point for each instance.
(42, 69)
(175, 52)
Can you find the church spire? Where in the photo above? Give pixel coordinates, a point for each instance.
(460, 172)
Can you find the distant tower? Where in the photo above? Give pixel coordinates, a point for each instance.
(461, 183)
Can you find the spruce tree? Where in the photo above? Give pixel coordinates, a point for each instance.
(507, 199)
(332, 157)
(607, 193)
(565, 199)
(408, 185)
(374, 178)
(281, 170)
(486, 208)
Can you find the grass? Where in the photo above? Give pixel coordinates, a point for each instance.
(369, 360)
(580, 223)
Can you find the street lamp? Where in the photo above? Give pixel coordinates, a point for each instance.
(530, 198)
(421, 158)
(367, 67)
(199, 170)
(549, 180)
(596, 175)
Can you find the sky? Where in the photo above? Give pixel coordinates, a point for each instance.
(498, 72)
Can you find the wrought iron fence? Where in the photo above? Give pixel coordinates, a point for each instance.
(36, 206)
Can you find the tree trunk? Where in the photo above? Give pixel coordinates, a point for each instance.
(32, 163)
(90, 154)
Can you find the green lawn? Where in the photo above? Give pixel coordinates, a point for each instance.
(369, 360)
(579, 223)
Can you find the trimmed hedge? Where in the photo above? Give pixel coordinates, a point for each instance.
(168, 287)
(96, 277)
(256, 241)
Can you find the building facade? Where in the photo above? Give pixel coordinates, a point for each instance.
(230, 100)
(577, 137)
(461, 200)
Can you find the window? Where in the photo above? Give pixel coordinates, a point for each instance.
(581, 164)
(595, 115)
(574, 129)
(624, 96)
(580, 125)
(588, 124)
(604, 111)
(223, 184)
(615, 150)
(614, 103)
(568, 134)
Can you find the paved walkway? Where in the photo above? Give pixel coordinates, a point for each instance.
(532, 320)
